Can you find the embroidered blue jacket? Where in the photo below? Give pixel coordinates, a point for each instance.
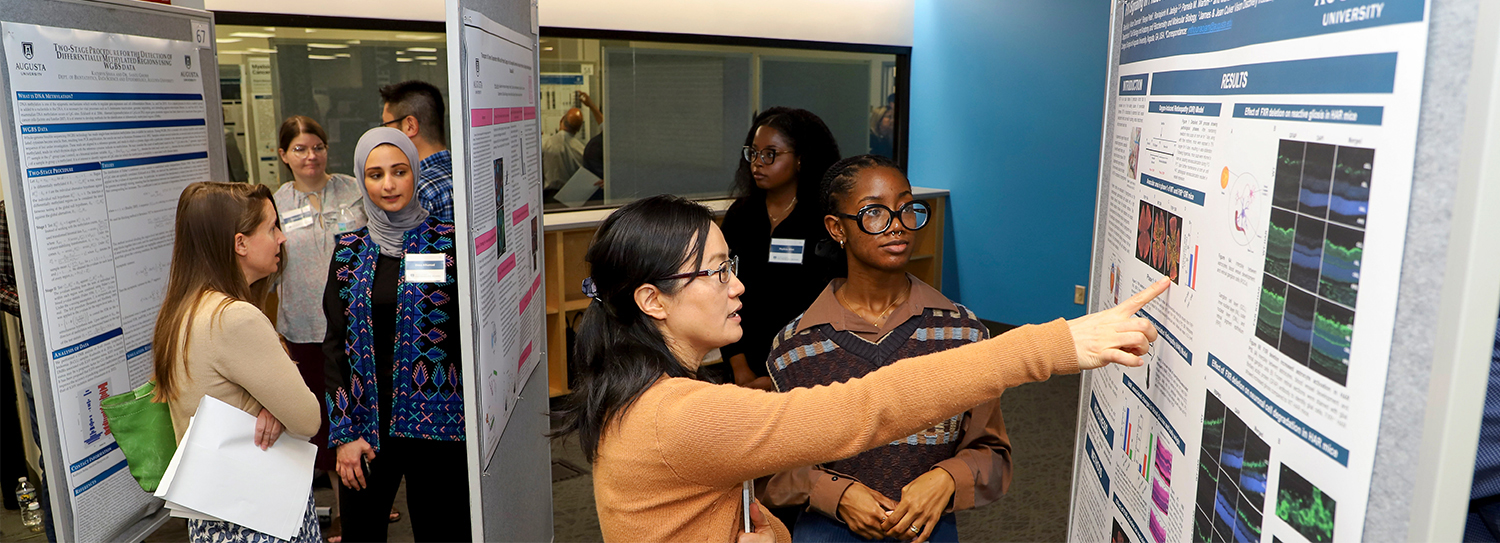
(427, 400)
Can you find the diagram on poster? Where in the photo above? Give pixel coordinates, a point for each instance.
(110, 129)
(505, 201)
(1260, 156)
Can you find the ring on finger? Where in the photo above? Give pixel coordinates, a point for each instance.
(915, 529)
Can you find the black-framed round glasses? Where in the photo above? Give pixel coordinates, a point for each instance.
(875, 219)
(765, 156)
(731, 266)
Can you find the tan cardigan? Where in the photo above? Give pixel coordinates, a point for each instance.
(670, 468)
(237, 357)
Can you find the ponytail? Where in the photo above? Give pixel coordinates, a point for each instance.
(619, 349)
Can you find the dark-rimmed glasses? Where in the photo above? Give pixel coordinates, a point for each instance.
(731, 266)
(875, 219)
(765, 156)
(394, 121)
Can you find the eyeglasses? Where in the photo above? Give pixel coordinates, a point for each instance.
(731, 266)
(766, 156)
(875, 219)
(301, 151)
(393, 121)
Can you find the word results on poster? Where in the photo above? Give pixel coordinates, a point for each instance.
(1261, 158)
(111, 128)
(505, 196)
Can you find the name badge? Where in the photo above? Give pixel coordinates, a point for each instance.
(786, 251)
(301, 217)
(425, 268)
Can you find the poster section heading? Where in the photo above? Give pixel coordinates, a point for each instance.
(1164, 28)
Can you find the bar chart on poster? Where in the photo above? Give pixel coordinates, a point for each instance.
(1260, 155)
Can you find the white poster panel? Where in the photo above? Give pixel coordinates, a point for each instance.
(1261, 156)
(111, 127)
(503, 155)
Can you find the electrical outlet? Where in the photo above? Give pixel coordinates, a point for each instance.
(1078, 294)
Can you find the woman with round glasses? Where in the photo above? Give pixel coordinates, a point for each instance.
(670, 452)
(314, 206)
(909, 488)
(775, 226)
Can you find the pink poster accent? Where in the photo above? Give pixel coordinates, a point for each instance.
(485, 241)
(502, 115)
(481, 117)
(526, 300)
(525, 353)
(520, 215)
(506, 266)
(530, 113)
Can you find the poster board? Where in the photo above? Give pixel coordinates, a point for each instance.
(1277, 161)
(110, 110)
(492, 48)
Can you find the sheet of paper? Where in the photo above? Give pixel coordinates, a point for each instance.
(221, 473)
(1260, 155)
(110, 128)
(577, 190)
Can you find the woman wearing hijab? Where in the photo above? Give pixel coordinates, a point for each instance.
(395, 401)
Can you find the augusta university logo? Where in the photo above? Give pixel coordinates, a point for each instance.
(27, 50)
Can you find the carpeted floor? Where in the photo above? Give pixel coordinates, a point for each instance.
(1041, 419)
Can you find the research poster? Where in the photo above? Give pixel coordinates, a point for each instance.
(110, 128)
(503, 152)
(1260, 155)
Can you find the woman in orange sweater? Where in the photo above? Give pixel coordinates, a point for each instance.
(670, 452)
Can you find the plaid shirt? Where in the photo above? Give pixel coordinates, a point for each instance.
(435, 185)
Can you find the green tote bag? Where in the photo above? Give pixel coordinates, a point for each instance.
(143, 429)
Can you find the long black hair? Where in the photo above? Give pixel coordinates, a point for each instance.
(812, 142)
(620, 350)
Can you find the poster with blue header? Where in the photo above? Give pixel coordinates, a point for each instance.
(1259, 153)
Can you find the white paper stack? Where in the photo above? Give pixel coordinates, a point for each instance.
(218, 473)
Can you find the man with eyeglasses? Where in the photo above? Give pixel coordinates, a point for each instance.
(416, 109)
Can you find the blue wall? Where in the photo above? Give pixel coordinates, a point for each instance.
(1007, 104)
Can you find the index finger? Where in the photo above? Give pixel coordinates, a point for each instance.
(1135, 303)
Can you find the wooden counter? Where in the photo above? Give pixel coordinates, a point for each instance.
(568, 234)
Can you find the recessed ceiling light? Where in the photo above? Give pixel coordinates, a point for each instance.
(265, 51)
(268, 28)
(403, 60)
(321, 57)
(252, 35)
(228, 52)
(418, 37)
(342, 55)
(400, 52)
(429, 64)
(328, 46)
(352, 42)
(309, 30)
(421, 49)
(546, 48)
(228, 40)
(426, 58)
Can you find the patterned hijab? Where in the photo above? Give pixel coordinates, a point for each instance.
(387, 227)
